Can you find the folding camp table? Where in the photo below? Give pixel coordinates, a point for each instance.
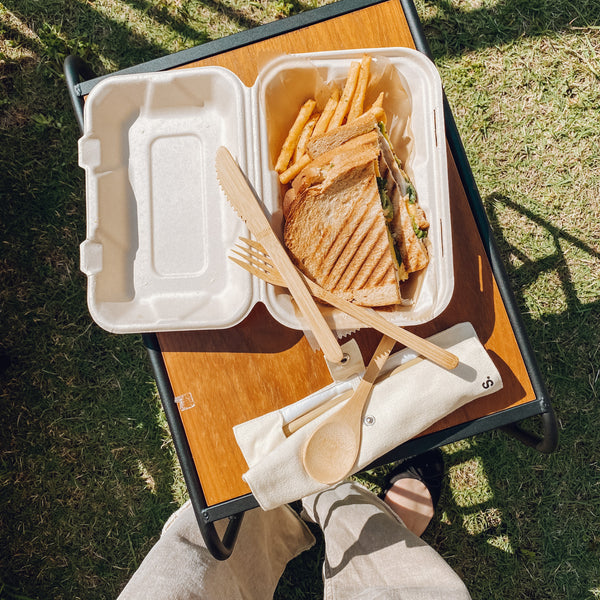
(210, 381)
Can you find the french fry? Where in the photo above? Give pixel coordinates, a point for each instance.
(305, 136)
(325, 118)
(377, 109)
(292, 171)
(377, 112)
(356, 108)
(291, 140)
(378, 101)
(341, 107)
(344, 103)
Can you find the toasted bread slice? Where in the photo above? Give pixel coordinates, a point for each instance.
(344, 133)
(409, 223)
(336, 229)
(351, 219)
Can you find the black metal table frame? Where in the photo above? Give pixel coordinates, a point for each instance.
(80, 81)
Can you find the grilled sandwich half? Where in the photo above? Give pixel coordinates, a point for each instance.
(352, 220)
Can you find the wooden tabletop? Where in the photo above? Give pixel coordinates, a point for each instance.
(226, 377)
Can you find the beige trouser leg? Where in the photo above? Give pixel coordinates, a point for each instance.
(179, 567)
(371, 555)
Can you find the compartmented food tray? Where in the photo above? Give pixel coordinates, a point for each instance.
(158, 226)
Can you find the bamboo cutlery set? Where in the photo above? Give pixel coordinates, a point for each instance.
(329, 454)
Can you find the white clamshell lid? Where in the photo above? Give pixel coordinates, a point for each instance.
(157, 225)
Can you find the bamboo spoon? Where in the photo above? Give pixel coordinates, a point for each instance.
(330, 452)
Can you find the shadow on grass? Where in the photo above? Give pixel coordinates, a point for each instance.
(457, 28)
(88, 474)
(536, 534)
(512, 514)
(87, 471)
(62, 28)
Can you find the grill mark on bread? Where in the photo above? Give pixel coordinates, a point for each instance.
(380, 273)
(378, 256)
(351, 233)
(359, 261)
(319, 254)
(355, 252)
(384, 278)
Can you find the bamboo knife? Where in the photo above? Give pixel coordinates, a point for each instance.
(244, 200)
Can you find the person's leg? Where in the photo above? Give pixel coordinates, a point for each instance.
(179, 567)
(370, 553)
(411, 501)
(414, 488)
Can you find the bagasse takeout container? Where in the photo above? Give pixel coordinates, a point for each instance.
(158, 226)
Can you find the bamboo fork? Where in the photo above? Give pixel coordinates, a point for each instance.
(255, 260)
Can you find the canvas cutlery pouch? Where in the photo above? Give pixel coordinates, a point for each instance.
(408, 398)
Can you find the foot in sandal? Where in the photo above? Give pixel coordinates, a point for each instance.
(413, 489)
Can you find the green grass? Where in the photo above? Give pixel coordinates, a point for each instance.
(88, 473)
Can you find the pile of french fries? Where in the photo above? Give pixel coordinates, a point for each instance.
(341, 108)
